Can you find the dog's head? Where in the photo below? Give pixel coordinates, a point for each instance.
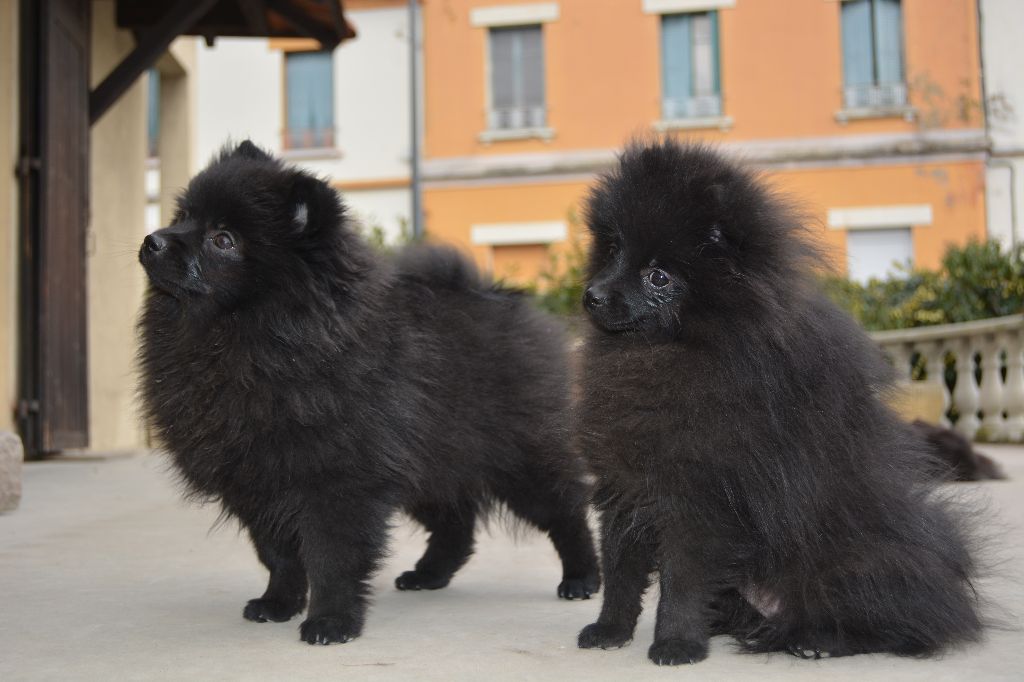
(244, 226)
(679, 232)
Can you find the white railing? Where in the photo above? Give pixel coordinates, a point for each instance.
(700, 106)
(513, 118)
(883, 96)
(998, 343)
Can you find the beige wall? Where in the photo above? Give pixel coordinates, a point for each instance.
(8, 211)
(177, 136)
(117, 226)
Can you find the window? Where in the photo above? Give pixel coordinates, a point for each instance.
(875, 253)
(873, 54)
(689, 66)
(309, 79)
(517, 78)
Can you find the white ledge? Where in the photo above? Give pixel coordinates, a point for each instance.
(310, 153)
(675, 6)
(501, 134)
(875, 217)
(509, 234)
(513, 15)
(907, 113)
(702, 123)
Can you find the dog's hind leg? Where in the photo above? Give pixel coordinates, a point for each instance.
(627, 554)
(449, 547)
(558, 507)
(732, 614)
(285, 595)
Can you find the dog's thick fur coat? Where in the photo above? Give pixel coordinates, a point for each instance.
(736, 424)
(313, 387)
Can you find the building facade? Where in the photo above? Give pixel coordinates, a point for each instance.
(1002, 60)
(343, 114)
(869, 112)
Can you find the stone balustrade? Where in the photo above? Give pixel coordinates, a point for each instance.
(983, 347)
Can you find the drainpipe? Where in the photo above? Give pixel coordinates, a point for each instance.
(414, 126)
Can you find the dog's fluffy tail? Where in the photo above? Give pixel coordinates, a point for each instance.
(442, 267)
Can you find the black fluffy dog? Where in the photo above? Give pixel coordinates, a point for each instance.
(313, 388)
(734, 421)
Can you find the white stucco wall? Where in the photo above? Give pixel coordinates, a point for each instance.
(1003, 59)
(240, 94)
(387, 209)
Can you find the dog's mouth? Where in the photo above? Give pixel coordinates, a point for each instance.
(164, 278)
(166, 275)
(621, 326)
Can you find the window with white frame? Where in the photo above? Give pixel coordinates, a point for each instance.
(872, 35)
(309, 92)
(517, 98)
(690, 74)
(876, 253)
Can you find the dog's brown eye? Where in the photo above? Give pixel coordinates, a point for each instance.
(657, 278)
(223, 241)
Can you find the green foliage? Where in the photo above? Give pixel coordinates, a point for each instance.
(559, 286)
(377, 237)
(975, 281)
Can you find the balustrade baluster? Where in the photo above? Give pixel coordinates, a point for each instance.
(965, 394)
(1013, 392)
(992, 387)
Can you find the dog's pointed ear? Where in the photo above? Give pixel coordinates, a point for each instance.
(313, 204)
(248, 150)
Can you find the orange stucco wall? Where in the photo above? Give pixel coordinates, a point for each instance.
(780, 60)
(450, 214)
(954, 190)
(781, 66)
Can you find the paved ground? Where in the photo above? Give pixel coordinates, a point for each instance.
(106, 575)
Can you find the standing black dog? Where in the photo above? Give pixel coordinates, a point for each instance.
(313, 388)
(735, 423)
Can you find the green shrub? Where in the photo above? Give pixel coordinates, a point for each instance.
(974, 282)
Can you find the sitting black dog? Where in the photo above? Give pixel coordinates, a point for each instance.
(735, 422)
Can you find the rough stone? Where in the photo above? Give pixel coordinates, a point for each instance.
(11, 456)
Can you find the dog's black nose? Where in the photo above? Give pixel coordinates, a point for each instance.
(154, 243)
(594, 298)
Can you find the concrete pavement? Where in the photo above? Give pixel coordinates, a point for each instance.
(106, 574)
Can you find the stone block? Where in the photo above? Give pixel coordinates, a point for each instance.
(11, 456)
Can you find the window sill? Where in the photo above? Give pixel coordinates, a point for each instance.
(702, 123)
(310, 153)
(502, 135)
(906, 112)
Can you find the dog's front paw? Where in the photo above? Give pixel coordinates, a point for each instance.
(807, 652)
(276, 610)
(578, 588)
(418, 580)
(328, 629)
(677, 651)
(601, 636)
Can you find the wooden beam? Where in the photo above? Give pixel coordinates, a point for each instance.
(304, 24)
(154, 42)
(255, 16)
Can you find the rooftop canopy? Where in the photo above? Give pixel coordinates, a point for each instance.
(155, 23)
